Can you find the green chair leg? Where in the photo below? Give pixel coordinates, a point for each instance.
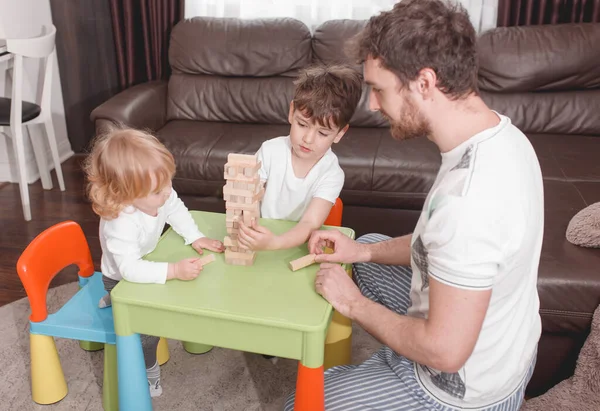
(195, 348)
(91, 346)
(110, 390)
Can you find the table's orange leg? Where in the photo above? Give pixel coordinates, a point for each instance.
(310, 389)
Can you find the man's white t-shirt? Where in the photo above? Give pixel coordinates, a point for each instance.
(481, 228)
(133, 234)
(287, 196)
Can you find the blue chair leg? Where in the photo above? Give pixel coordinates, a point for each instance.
(134, 393)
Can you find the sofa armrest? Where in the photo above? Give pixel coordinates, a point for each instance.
(142, 106)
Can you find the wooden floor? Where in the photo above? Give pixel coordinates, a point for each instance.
(47, 209)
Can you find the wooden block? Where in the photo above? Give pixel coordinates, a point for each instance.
(239, 258)
(255, 207)
(252, 171)
(232, 231)
(233, 219)
(230, 242)
(237, 185)
(242, 158)
(228, 190)
(253, 186)
(233, 222)
(302, 262)
(242, 172)
(328, 249)
(230, 171)
(248, 216)
(232, 213)
(233, 172)
(207, 259)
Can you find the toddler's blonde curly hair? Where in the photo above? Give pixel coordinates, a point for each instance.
(125, 164)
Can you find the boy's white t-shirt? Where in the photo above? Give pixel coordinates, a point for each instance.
(481, 228)
(133, 234)
(287, 196)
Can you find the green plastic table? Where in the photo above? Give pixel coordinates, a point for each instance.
(264, 308)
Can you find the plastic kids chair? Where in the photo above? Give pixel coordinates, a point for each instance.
(338, 343)
(79, 319)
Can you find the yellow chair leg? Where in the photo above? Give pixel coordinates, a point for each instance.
(338, 343)
(48, 383)
(162, 351)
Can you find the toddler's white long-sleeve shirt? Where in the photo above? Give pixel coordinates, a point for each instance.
(133, 234)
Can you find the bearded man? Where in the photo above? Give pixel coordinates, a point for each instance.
(455, 303)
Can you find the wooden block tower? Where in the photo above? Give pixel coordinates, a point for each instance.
(242, 193)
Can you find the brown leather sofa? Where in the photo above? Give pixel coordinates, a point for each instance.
(230, 89)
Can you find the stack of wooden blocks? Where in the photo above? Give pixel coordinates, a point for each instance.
(242, 193)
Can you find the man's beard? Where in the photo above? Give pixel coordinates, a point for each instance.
(411, 123)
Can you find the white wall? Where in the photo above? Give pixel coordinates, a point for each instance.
(22, 19)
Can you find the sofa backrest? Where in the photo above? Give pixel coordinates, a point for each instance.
(545, 78)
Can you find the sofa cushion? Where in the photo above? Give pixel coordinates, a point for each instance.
(535, 58)
(235, 70)
(538, 78)
(229, 99)
(236, 47)
(330, 38)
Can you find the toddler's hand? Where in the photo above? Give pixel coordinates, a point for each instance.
(210, 244)
(185, 270)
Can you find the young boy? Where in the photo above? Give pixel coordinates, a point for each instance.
(302, 175)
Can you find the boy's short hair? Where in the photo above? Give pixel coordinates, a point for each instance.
(418, 34)
(125, 164)
(328, 94)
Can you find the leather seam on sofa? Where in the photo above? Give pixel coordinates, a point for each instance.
(563, 313)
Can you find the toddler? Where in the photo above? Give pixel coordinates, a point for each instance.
(129, 176)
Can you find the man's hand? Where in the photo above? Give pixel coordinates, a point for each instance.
(336, 286)
(212, 245)
(256, 237)
(345, 250)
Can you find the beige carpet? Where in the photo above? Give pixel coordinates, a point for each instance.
(220, 380)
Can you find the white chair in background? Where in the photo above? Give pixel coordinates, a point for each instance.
(16, 113)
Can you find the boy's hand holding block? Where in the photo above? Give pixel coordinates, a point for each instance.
(302, 262)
